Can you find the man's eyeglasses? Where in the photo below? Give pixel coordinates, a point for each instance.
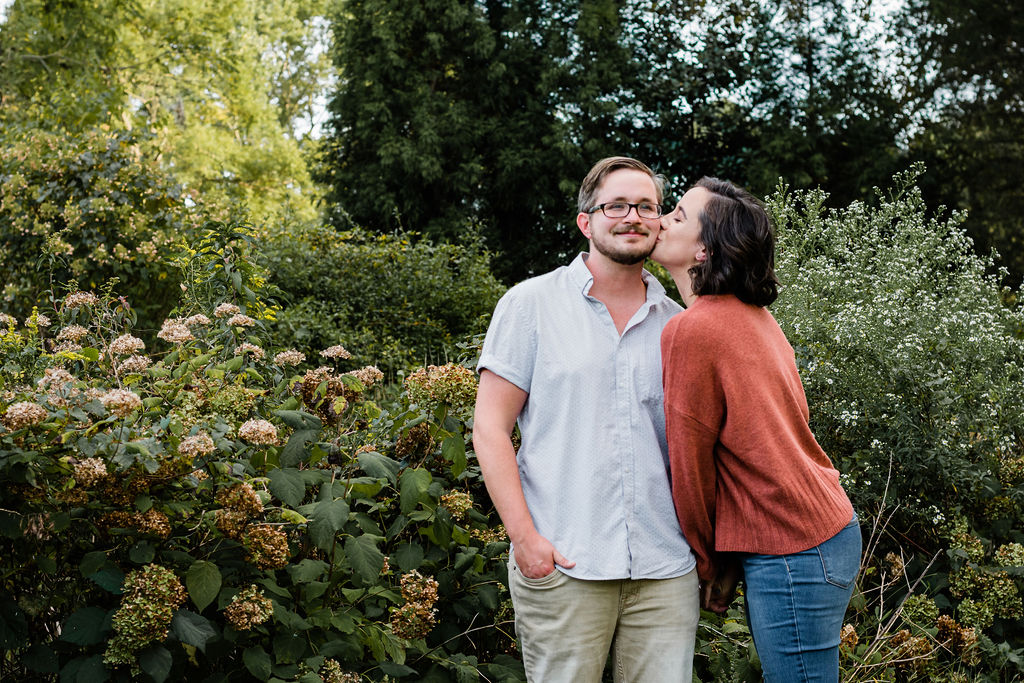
(621, 209)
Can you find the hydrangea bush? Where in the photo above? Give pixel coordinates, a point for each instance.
(207, 508)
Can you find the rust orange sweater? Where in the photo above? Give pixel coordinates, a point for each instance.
(747, 473)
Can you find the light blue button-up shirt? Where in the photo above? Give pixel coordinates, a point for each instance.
(594, 460)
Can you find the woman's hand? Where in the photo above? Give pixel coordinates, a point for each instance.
(717, 595)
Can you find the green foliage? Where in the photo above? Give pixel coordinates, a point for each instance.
(913, 362)
(967, 72)
(221, 84)
(393, 301)
(88, 207)
(163, 531)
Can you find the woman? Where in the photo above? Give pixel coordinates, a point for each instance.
(755, 494)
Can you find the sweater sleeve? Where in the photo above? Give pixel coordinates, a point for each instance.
(694, 410)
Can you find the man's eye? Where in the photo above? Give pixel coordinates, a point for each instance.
(646, 207)
(616, 206)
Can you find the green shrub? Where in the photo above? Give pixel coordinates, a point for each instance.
(913, 363)
(209, 511)
(394, 300)
(86, 208)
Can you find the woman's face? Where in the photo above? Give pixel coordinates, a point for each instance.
(679, 243)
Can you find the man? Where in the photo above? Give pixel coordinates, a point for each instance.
(598, 561)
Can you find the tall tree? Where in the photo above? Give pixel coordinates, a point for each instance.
(209, 78)
(967, 59)
(825, 114)
(445, 114)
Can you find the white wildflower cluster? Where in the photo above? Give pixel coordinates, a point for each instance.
(8, 321)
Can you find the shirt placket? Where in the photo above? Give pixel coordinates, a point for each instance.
(625, 442)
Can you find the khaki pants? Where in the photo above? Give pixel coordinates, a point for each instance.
(566, 627)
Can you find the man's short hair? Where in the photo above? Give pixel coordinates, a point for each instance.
(592, 183)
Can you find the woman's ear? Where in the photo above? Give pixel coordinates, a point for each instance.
(701, 255)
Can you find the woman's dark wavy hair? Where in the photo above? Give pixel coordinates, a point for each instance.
(740, 242)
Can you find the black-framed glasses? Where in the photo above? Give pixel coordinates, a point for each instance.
(621, 209)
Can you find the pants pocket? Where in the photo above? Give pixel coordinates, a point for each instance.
(840, 556)
(542, 582)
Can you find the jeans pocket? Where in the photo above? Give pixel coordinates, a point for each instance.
(840, 556)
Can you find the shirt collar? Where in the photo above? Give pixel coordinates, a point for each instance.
(581, 276)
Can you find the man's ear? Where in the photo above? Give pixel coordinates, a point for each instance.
(583, 223)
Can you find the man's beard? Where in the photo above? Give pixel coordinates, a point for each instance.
(626, 258)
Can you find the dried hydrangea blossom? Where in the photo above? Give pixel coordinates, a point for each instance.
(224, 310)
(458, 503)
(174, 331)
(89, 471)
(331, 672)
(267, 546)
(121, 402)
(246, 347)
(79, 299)
(336, 351)
(72, 333)
(450, 384)
(23, 414)
(241, 320)
(248, 608)
(417, 616)
(289, 357)
(126, 345)
(367, 376)
(134, 364)
(8, 321)
(153, 522)
(151, 596)
(241, 498)
(38, 319)
(52, 376)
(198, 444)
(258, 432)
(197, 320)
(495, 535)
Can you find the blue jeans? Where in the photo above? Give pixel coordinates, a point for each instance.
(796, 604)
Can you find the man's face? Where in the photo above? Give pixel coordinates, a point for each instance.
(628, 240)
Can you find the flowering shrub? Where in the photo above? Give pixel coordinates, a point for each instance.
(94, 206)
(211, 513)
(913, 362)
